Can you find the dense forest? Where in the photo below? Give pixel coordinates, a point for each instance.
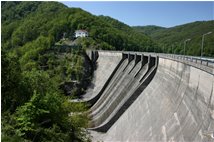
(46, 19)
(40, 75)
(171, 40)
(34, 108)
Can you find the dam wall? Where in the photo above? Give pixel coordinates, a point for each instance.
(176, 105)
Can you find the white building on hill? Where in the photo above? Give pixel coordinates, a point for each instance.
(81, 33)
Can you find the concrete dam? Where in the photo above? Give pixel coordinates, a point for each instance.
(150, 97)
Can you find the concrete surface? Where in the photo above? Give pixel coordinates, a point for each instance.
(124, 92)
(105, 65)
(177, 105)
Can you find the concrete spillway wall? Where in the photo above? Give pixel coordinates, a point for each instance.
(104, 65)
(132, 76)
(177, 105)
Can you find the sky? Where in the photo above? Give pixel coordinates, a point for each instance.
(141, 13)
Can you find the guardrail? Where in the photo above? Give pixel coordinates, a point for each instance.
(203, 61)
(206, 64)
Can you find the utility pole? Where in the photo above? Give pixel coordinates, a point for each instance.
(202, 44)
(185, 45)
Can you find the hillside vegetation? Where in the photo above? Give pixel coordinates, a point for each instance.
(172, 39)
(148, 30)
(53, 19)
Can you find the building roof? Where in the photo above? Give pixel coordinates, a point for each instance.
(81, 31)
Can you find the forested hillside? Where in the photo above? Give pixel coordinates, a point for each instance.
(54, 19)
(172, 39)
(34, 108)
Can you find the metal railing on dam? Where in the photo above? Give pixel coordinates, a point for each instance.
(206, 64)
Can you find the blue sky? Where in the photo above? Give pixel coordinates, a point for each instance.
(166, 14)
